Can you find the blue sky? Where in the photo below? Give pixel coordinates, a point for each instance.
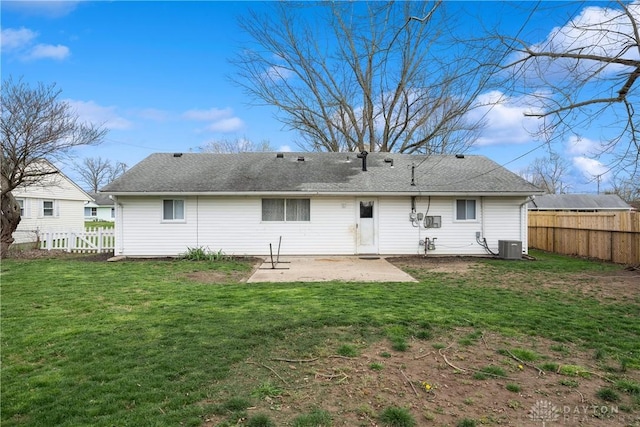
(156, 74)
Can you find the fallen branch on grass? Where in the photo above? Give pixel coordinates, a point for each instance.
(271, 369)
(332, 376)
(277, 359)
(540, 371)
(409, 381)
(447, 361)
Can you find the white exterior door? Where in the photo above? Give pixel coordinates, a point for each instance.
(367, 225)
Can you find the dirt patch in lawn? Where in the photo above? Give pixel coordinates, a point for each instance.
(613, 286)
(445, 380)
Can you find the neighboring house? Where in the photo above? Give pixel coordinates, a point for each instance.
(318, 203)
(579, 203)
(100, 209)
(54, 204)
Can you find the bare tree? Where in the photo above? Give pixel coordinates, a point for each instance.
(96, 172)
(35, 126)
(626, 188)
(548, 173)
(585, 75)
(238, 145)
(364, 75)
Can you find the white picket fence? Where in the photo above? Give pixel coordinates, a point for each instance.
(91, 240)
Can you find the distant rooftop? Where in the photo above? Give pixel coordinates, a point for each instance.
(579, 202)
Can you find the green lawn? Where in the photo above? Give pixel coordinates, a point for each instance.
(99, 224)
(146, 343)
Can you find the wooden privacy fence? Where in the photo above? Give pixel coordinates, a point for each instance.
(609, 236)
(87, 241)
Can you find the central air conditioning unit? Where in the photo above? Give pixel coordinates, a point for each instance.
(510, 249)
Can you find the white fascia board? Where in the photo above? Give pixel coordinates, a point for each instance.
(320, 193)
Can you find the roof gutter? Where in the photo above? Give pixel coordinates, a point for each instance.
(318, 193)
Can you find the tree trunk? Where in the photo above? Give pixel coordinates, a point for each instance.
(10, 221)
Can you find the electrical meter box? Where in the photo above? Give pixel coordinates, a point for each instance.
(432, 221)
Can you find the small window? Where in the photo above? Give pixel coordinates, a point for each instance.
(21, 203)
(113, 212)
(94, 211)
(173, 210)
(465, 210)
(293, 210)
(366, 209)
(47, 208)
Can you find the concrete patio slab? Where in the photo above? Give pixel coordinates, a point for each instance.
(328, 268)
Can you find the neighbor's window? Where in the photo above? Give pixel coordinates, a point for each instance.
(94, 211)
(47, 208)
(172, 210)
(286, 209)
(465, 210)
(21, 203)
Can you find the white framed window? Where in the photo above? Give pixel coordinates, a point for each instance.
(288, 210)
(466, 210)
(21, 203)
(173, 210)
(48, 208)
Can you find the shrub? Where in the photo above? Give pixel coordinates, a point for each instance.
(201, 253)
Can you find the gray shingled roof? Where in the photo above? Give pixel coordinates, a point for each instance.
(318, 172)
(101, 199)
(576, 202)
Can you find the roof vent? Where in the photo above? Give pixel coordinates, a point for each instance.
(280, 156)
(459, 156)
(177, 154)
(301, 158)
(363, 155)
(389, 160)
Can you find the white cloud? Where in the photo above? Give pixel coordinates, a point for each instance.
(208, 115)
(505, 118)
(12, 39)
(231, 124)
(581, 146)
(278, 73)
(89, 111)
(48, 51)
(221, 120)
(590, 168)
(285, 149)
(21, 42)
(599, 31)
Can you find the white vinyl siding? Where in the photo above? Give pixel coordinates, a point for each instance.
(69, 215)
(235, 226)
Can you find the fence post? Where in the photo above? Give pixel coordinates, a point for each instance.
(99, 240)
(71, 241)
